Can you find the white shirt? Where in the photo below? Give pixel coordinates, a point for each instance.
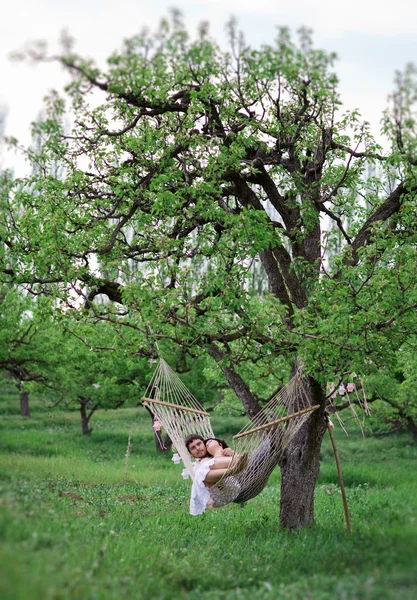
(200, 494)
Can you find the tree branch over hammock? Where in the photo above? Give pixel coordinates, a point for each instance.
(240, 387)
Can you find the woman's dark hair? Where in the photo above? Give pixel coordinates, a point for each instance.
(190, 438)
(222, 443)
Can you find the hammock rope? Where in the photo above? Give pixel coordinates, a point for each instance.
(264, 438)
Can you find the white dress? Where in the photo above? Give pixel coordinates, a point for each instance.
(200, 495)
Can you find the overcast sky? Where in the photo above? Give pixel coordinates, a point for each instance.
(372, 39)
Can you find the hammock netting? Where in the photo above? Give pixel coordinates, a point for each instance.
(264, 438)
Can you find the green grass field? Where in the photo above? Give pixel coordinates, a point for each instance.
(72, 525)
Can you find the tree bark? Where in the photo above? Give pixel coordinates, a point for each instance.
(300, 467)
(86, 416)
(236, 382)
(24, 404)
(412, 426)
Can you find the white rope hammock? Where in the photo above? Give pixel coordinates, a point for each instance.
(264, 438)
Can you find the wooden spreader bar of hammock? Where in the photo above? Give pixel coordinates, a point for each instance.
(178, 406)
(281, 420)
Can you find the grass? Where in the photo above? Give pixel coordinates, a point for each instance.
(72, 526)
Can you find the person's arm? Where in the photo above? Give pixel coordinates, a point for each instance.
(214, 476)
(228, 452)
(221, 462)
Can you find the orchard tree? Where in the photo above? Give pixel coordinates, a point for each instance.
(94, 369)
(186, 168)
(28, 350)
(393, 394)
(388, 396)
(66, 361)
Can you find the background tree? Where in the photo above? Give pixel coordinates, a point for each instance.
(67, 361)
(210, 162)
(97, 374)
(88, 367)
(393, 393)
(27, 343)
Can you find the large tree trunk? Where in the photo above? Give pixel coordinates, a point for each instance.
(412, 426)
(300, 467)
(24, 404)
(85, 415)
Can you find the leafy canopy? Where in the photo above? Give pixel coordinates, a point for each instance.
(190, 174)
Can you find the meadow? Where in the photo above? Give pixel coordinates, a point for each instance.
(75, 524)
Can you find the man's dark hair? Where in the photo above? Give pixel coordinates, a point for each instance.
(190, 438)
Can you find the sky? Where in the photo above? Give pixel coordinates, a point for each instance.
(372, 40)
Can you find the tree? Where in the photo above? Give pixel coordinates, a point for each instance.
(89, 367)
(66, 361)
(199, 161)
(100, 373)
(393, 394)
(27, 349)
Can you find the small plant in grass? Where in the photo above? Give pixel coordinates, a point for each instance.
(128, 450)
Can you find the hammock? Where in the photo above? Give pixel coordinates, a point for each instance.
(264, 438)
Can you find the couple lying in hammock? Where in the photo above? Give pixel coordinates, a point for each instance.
(213, 460)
